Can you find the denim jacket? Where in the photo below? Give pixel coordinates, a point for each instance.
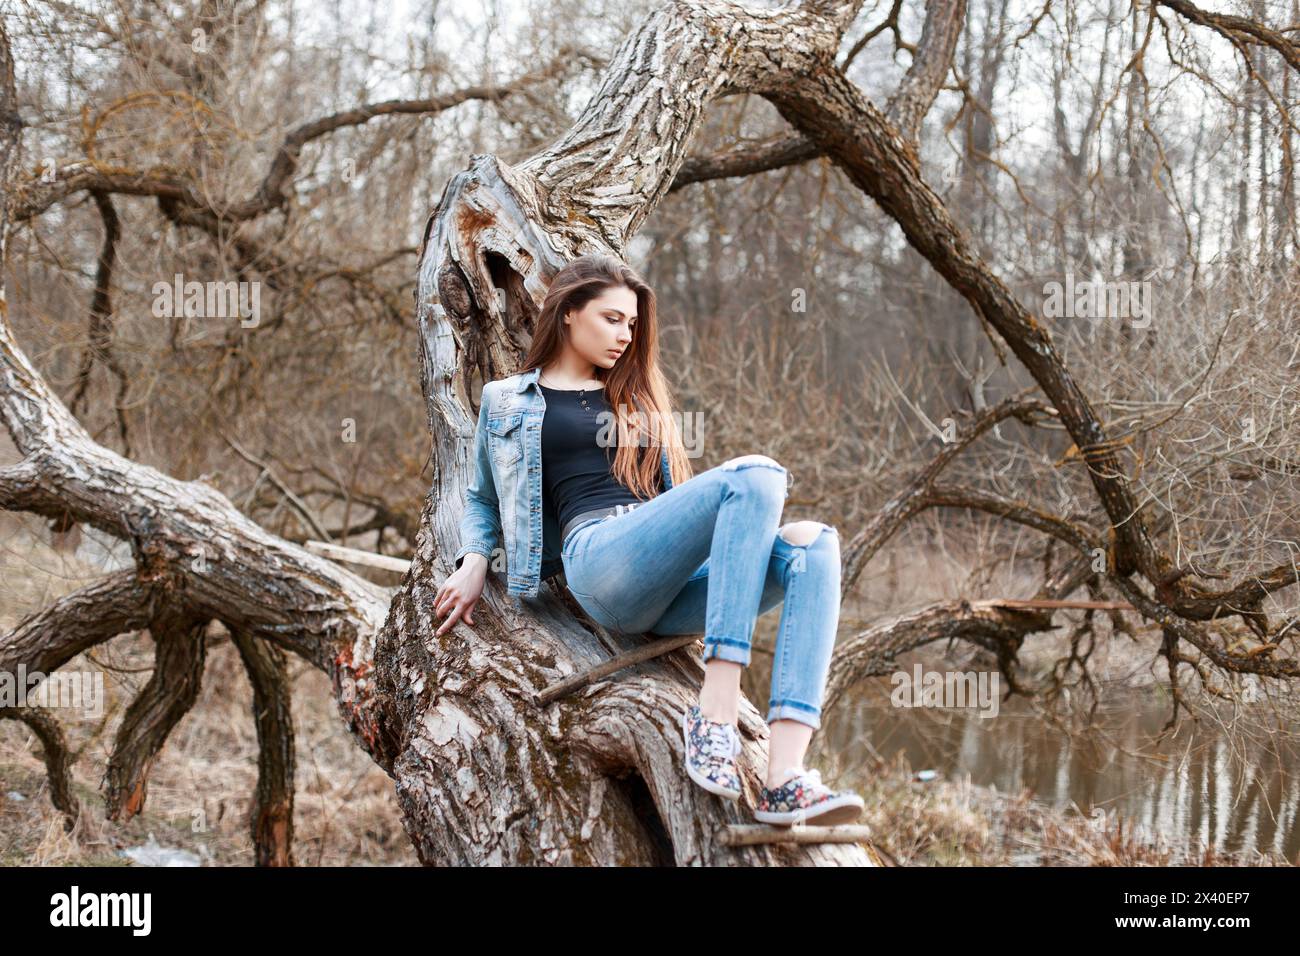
(508, 450)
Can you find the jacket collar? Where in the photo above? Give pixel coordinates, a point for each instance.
(527, 378)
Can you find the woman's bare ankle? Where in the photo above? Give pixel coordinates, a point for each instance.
(718, 713)
(772, 781)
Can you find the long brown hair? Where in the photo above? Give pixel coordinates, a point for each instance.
(635, 382)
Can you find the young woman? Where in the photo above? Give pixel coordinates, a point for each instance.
(645, 546)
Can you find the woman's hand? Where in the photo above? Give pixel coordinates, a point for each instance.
(460, 592)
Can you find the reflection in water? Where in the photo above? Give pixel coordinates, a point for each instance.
(1206, 785)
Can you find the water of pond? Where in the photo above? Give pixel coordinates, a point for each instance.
(1206, 786)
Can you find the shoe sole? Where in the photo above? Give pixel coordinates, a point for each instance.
(830, 812)
(705, 782)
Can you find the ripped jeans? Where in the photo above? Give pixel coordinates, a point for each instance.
(707, 556)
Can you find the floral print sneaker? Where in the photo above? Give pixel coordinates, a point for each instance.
(711, 750)
(805, 799)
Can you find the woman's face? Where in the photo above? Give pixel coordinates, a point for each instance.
(602, 330)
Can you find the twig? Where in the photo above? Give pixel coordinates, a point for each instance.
(298, 504)
(649, 651)
(750, 835)
(336, 552)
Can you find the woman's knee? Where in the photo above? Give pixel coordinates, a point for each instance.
(758, 471)
(804, 533)
(816, 547)
(751, 461)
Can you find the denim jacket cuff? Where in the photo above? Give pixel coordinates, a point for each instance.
(473, 547)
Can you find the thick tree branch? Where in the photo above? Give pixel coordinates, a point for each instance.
(1240, 30)
(907, 501)
(58, 761)
(931, 62)
(45, 641)
(165, 698)
(270, 818)
(826, 106)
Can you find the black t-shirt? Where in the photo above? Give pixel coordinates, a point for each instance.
(577, 472)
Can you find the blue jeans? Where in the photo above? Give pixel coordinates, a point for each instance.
(707, 557)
